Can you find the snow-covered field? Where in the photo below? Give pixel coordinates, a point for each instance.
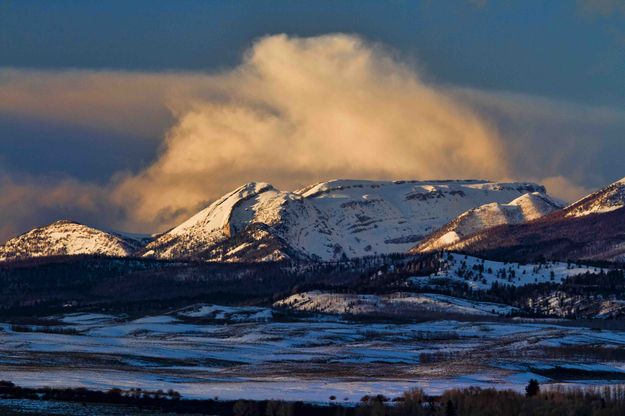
(413, 303)
(481, 274)
(207, 351)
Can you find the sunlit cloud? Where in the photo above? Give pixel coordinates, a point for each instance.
(301, 110)
(119, 102)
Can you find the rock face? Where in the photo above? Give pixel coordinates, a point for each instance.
(329, 220)
(525, 208)
(66, 238)
(592, 228)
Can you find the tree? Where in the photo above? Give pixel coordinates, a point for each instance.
(246, 408)
(532, 389)
(450, 409)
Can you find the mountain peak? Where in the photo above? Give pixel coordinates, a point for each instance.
(253, 187)
(64, 237)
(63, 222)
(607, 199)
(535, 205)
(527, 207)
(218, 214)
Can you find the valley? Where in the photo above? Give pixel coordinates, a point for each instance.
(209, 351)
(340, 290)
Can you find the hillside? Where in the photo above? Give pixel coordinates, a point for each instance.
(328, 220)
(66, 238)
(523, 209)
(592, 228)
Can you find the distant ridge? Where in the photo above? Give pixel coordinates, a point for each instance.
(66, 238)
(592, 228)
(326, 221)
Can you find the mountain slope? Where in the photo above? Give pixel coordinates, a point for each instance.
(525, 208)
(328, 220)
(605, 200)
(592, 228)
(66, 238)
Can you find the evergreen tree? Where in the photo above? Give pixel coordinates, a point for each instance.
(532, 389)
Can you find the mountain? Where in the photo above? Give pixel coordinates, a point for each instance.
(605, 200)
(328, 220)
(525, 208)
(66, 238)
(592, 228)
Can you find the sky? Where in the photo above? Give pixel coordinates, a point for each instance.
(134, 115)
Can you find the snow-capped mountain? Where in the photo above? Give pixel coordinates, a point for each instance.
(328, 220)
(525, 208)
(592, 228)
(607, 199)
(66, 238)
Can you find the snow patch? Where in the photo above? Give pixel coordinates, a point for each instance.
(396, 303)
(481, 274)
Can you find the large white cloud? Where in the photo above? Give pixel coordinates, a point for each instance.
(301, 110)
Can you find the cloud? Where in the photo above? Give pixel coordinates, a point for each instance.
(301, 110)
(295, 111)
(134, 103)
(548, 138)
(33, 201)
(563, 188)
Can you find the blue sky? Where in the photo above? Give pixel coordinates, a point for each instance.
(548, 76)
(559, 48)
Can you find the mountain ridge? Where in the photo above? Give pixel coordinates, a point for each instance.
(525, 208)
(327, 220)
(592, 228)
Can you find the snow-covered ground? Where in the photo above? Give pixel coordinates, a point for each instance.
(481, 274)
(228, 313)
(396, 303)
(197, 353)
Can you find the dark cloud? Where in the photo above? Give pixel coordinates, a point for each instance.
(29, 201)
